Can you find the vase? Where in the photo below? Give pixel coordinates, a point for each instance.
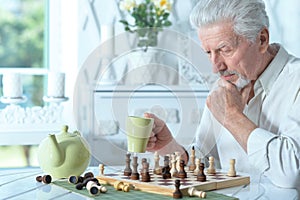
(149, 67)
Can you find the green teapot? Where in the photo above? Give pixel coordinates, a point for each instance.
(64, 154)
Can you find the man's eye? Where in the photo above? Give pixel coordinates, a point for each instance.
(226, 52)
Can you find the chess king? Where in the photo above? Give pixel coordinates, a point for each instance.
(252, 114)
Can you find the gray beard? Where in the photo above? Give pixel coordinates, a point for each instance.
(241, 83)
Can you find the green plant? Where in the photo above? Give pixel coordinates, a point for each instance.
(149, 18)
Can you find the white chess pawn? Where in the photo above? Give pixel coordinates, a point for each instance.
(195, 193)
(197, 169)
(211, 169)
(101, 169)
(231, 172)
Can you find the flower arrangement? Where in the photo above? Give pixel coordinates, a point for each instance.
(150, 17)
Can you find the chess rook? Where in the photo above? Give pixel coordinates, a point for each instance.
(195, 193)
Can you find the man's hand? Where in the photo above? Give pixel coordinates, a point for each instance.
(160, 136)
(227, 103)
(162, 141)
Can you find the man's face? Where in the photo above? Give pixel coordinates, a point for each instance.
(232, 56)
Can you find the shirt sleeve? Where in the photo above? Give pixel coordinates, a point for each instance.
(278, 156)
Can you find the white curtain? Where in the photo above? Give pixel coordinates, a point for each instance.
(285, 23)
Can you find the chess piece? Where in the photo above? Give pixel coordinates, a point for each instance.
(101, 169)
(127, 170)
(75, 179)
(45, 179)
(177, 193)
(166, 169)
(135, 175)
(91, 186)
(145, 172)
(182, 172)
(197, 169)
(119, 185)
(157, 168)
(95, 188)
(201, 176)
(173, 169)
(231, 172)
(88, 175)
(192, 166)
(178, 158)
(211, 169)
(195, 193)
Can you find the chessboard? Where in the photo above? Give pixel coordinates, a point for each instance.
(158, 185)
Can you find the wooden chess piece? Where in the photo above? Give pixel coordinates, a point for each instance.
(45, 179)
(201, 176)
(157, 168)
(92, 187)
(145, 172)
(173, 169)
(182, 172)
(195, 193)
(135, 174)
(192, 166)
(178, 158)
(101, 169)
(231, 172)
(166, 169)
(177, 193)
(88, 175)
(75, 179)
(211, 169)
(197, 169)
(119, 185)
(127, 170)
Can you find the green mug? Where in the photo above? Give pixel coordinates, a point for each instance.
(138, 131)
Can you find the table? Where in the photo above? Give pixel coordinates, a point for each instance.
(21, 184)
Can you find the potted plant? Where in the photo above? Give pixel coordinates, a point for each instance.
(148, 18)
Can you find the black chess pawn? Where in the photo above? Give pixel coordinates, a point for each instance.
(177, 193)
(182, 172)
(201, 176)
(166, 174)
(145, 172)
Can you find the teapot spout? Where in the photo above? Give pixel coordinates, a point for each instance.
(56, 153)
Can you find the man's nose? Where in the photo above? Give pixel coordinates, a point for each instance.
(217, 62)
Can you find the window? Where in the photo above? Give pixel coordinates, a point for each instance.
(23, 45)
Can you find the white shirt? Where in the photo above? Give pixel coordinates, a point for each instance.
(274, 147)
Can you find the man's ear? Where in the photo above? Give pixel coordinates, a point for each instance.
(263, 38)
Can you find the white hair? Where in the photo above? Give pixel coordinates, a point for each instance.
(249, 17)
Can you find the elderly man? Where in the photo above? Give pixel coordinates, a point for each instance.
(253, 112)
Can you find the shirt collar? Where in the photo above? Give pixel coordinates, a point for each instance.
(268, 77)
